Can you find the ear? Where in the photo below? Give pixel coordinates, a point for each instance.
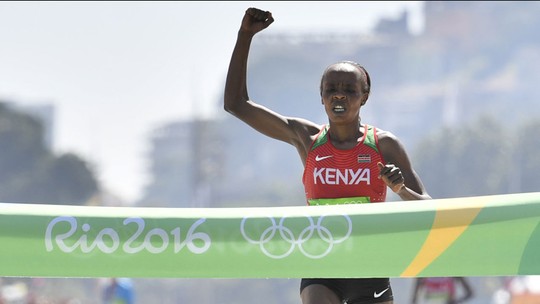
(366, 96)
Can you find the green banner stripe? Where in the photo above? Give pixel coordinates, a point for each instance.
(473, 236)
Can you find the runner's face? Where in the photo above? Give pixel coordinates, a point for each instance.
(342, 93)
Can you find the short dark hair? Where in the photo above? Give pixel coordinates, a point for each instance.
(367, 84)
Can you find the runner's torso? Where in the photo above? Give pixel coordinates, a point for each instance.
(344, 176)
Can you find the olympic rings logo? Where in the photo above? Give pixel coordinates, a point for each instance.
(315, 241)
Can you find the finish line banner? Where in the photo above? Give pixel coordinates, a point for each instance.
(472, 236)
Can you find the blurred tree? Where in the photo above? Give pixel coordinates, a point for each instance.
(526, 158)
(30, 173)
(466, 160)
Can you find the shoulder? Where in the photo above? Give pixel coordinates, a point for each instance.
(305, 132)
(387, 138)
(391, 146)
(304, 127)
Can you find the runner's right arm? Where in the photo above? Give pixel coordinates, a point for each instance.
(295, 131)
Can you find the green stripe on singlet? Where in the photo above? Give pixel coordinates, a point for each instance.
(370, 138)
(321, 139)
(339, 201)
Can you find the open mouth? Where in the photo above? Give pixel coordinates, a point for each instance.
(338, 109)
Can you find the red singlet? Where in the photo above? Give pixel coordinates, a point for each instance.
(334, 176)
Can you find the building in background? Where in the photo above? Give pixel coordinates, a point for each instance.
(186, 161)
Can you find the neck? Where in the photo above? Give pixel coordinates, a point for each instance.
(343, 134)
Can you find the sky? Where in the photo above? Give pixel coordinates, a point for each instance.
(117, 70)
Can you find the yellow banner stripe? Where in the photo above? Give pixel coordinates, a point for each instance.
(449, 223)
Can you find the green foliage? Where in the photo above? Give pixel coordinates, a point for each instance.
(30, 173)
(527, 159)
(482, 158)
(454, 161)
